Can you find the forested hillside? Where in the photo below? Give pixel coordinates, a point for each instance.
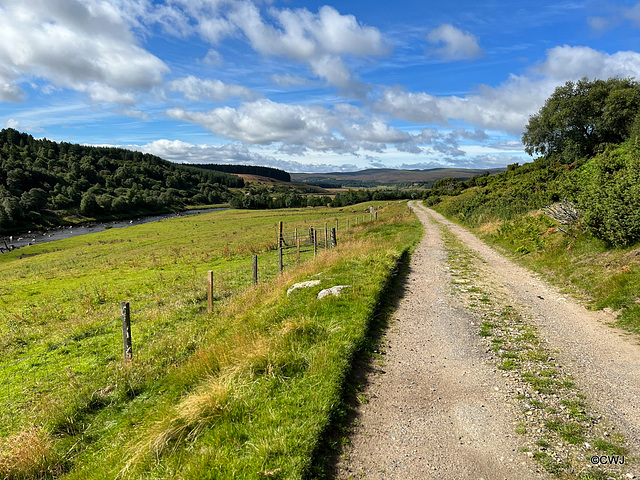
(42, 182)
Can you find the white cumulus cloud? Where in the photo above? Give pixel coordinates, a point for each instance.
(320, 40)
(417, 107)
(455, 43)
(196, 89)
(85, 45)
(262, 121)
(570, 63)
(507, 107)
(184, 152)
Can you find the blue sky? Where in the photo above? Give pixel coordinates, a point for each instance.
(303, 86)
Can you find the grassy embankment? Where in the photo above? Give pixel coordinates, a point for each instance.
(244, 392)
(506, 212)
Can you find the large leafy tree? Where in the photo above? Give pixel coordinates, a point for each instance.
(580, 116)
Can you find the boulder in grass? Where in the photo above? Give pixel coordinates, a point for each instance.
(333, 291)
(295, 286)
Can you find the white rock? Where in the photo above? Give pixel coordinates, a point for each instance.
(295, 286)
(335, 291)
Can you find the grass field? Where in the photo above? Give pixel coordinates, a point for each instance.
(247, 389)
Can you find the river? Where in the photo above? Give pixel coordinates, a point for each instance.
(37, 237)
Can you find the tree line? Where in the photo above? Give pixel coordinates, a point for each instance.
(270, 197)
(268, 172)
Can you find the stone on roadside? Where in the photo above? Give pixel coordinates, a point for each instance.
(335, 291)
(295, 286)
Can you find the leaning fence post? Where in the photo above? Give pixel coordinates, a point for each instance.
(334, 240)
(255, 269)
(280, 262)
(210, 291)
(126, 330)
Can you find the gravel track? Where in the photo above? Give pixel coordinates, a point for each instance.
(438, 408)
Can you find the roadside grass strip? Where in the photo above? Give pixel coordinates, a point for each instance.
(245, 392)
(561, 430)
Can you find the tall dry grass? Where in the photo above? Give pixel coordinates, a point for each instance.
(29, 454)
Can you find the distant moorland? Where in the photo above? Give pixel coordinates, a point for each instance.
(376, 177)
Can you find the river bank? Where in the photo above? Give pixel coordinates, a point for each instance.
(32, 237)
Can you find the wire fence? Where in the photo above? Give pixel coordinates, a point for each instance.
(81, 358)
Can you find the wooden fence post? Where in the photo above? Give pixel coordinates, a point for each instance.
(315, 244)
(279, 234)
(347, 224)
(255, 269)
(210, 291)
(326, 236)
(126, 330)
(280, 261)
(336, 224)
(298, 250)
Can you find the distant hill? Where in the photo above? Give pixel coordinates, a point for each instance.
(268, 172)
(376, 177)
(273, 182)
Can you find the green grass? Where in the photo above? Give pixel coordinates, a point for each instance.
(570, 432)
(549, 463)
(486, 328)
(609, 448)
(508, 365)
(248, 390)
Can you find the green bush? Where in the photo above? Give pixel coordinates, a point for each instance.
(610, 201)
(431, 201)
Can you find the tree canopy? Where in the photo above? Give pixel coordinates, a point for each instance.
(581, 116)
